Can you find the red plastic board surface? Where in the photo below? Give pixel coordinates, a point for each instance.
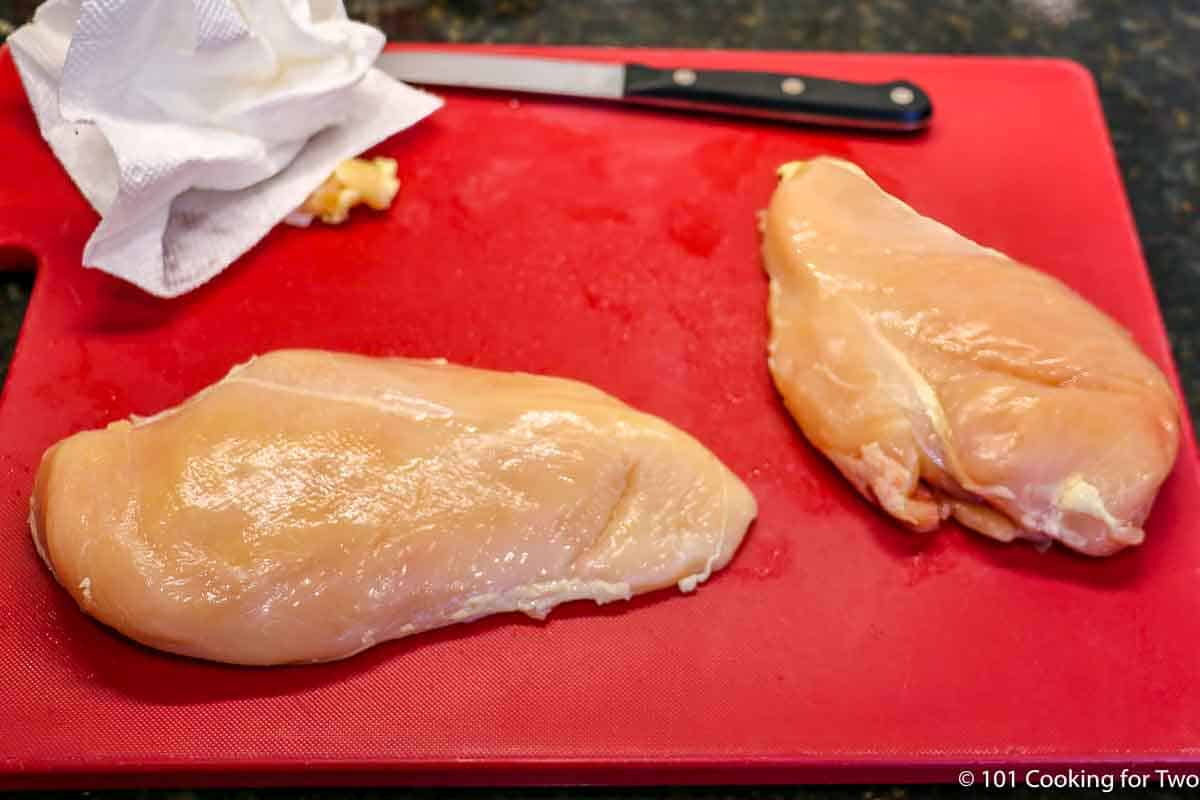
(617, 246)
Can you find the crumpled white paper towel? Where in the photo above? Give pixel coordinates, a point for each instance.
(195, 126)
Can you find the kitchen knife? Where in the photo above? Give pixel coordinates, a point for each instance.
(897, 105)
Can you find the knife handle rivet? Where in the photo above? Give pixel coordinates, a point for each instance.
(902, 95)
(792, 86)
(684, 77)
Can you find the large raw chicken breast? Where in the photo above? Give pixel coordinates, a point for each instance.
(945, 379)
(312, 504)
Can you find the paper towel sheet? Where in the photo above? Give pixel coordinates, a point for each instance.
(194, 126)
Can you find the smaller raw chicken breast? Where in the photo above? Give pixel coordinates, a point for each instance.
(945, 379)
(312, 504)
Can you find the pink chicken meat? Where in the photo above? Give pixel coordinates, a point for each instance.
(313, 504)
(943, 379)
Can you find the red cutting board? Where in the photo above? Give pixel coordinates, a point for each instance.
(618, 246)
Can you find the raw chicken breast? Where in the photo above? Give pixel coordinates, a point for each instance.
(943, 378)
(312, 504)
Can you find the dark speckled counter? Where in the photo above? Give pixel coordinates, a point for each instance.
(1145, 56)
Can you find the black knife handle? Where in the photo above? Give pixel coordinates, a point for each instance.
(899, 105)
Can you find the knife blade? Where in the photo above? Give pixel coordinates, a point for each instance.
(896, 105)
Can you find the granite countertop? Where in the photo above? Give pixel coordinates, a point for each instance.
(1145, 56)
